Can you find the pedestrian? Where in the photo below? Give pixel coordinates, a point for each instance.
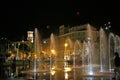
(29, 62)
(13, 66)
(117, 64)
(1, 67)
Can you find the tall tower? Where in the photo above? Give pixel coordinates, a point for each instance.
(30, 36)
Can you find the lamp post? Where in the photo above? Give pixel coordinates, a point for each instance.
(51, 58)
(18, 44)
(51, 62)
(65, 55)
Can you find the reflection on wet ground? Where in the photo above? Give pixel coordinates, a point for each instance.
(57, 73)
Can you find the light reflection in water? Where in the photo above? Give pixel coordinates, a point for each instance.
(52, 72)
(66, 75)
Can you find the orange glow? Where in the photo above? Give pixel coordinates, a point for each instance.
(53, 51)
(35, 56)
(65, 44)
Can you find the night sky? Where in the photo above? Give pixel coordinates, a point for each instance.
(20, 16)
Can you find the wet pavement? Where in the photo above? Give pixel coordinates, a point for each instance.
(82, 78)
(60, 75)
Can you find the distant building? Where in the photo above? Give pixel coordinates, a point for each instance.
(70, 35)
(30, 36)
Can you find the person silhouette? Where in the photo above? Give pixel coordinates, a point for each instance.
(117, 60)
(117, 64)
(13, 65)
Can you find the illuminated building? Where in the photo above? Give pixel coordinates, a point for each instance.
(30, 36)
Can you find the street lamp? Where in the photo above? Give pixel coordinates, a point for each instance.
(65, 55)
(51, 62)
(65, 50)
(18, 45)
(51, 58)
(53, 51)
(65, 44)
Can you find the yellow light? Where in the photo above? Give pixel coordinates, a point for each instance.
(53, 72)
(53, 51)
(66, 69)
(35, 56)
(53, 68)
(65, 44)
(66, 75)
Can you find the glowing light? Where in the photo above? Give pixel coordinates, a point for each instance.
(53, 51)
(35, 56)
(89, 38)
(44, 42)
(91, 73)
(65, 44)
(66, 75)
(66, 69)
(106, 28)
(53, 67)
(52, 72)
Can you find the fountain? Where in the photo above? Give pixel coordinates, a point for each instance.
(53, 51)
(77, 53)
(37, 68)
(93, 58)
(88, 56)
(85, 54)
(103, 51)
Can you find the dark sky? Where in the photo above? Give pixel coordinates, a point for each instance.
(19, 16)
